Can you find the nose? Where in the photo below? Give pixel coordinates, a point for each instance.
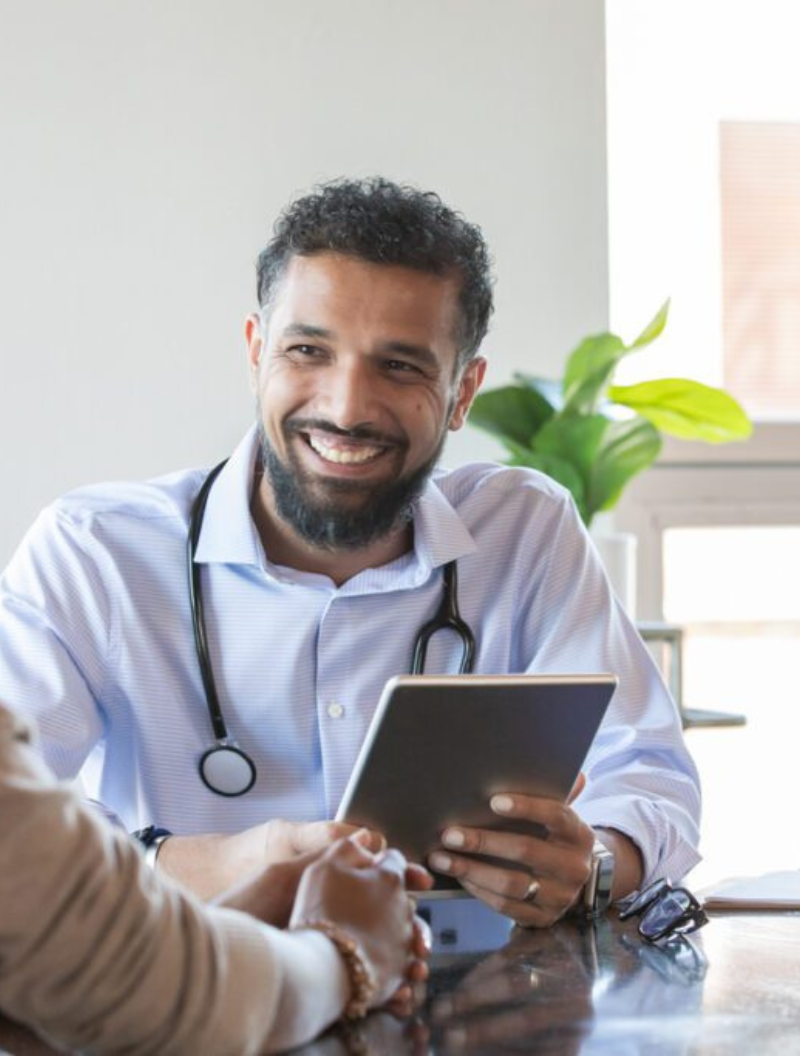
(349, 397)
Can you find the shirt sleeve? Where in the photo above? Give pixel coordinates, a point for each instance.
(56, 629)
(100, 954)
(641, 779)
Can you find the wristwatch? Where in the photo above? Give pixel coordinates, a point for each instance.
(596, 895)
(151, 839)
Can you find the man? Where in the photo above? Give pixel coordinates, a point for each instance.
(100, 955)
(321, 552)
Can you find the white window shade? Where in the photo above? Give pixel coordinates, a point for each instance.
(760, 214)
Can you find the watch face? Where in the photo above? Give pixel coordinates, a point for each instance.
(605, 878)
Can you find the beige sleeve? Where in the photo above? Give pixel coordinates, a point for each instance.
(100, 954)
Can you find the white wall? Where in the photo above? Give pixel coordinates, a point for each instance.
(145, 149)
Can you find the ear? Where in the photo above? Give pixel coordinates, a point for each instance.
(469, 383)
(255, 346)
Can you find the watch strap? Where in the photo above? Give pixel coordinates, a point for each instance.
(597, 892)
(151, 838)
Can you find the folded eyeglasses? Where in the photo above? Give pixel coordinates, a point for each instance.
(665, 911)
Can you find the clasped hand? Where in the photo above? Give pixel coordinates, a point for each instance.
(363, 892)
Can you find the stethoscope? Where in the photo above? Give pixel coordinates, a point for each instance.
(225, 768)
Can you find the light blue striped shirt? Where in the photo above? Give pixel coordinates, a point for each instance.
(96, 644)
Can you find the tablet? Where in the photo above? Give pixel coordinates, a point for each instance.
(438, 748)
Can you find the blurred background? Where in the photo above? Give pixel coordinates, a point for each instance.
(615, 154)
(147, 148)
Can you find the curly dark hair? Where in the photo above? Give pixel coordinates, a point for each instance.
(386, 223)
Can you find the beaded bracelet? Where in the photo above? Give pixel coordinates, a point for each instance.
(362, 985)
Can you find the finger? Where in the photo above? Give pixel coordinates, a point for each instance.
(577, 788)
(527, 915)
(509, 884)
(402, 993)
(566, 863)
(559, 819)
(349, 852)
(371, 840)
(288, 872)
(508, 890)
(418, 878)
(318, 835)
(422, 938)
(403, 1001)
(393, 861)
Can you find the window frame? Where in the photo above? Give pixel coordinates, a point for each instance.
(702, 485)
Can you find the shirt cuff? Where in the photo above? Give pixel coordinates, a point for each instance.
(310, 979)
(666, 849)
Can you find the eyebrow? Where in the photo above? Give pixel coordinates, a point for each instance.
(307, 330)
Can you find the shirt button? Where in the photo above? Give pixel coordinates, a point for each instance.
(335, 711)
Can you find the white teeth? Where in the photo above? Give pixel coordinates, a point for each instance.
(342, 457)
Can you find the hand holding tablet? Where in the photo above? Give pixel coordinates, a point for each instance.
(440, 750)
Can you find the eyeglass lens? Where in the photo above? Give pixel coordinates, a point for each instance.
(676, 910)
(664, 911)
(645, 898)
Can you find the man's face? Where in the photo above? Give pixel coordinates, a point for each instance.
(354, 366)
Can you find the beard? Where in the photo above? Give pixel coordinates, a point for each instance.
(349, 514)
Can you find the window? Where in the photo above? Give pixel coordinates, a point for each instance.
(760, 240)
(704, 207)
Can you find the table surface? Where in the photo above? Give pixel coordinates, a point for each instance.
(587, 989)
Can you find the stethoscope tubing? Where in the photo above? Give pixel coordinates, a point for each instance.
(447, 617)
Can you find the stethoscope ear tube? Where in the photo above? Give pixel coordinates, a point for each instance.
(447, 618)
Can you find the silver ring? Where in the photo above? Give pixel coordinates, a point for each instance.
(532, 892)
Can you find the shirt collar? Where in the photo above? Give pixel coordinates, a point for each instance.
(229, 535)
(440, 535)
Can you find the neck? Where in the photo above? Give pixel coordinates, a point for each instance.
(285, 547)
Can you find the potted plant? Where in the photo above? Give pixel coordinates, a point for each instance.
(594, 436)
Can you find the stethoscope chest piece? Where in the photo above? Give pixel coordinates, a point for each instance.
(226, 770)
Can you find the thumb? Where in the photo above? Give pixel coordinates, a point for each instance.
(577, 788)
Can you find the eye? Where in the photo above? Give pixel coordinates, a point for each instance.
(401, 366)
(306, 354)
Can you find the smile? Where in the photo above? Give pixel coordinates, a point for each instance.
(346, 454)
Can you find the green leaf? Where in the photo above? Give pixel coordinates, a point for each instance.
(560, 469)
(653, 328)
(573, 437)
(511, 413)
(686, 409)
(591, 365)
(547, 387)
(521, 453)
(627, 448)
(588, 371)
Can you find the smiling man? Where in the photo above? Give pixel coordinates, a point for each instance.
(358, 380)
(318, 551)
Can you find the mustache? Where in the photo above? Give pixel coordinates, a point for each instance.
(358, 432)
